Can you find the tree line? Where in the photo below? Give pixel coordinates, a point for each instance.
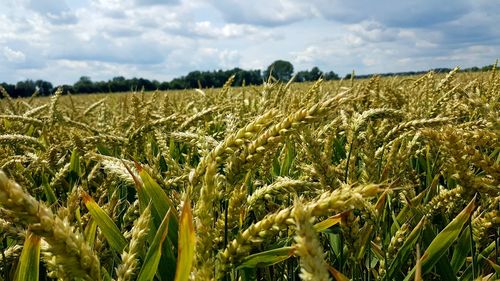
(280, 70)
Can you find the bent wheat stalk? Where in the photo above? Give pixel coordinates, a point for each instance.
(67, 247)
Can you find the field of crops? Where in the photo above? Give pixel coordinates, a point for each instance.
(379, 179)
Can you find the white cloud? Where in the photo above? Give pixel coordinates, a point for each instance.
(62, 40)
(262, 12)
(394, 13)
(372, 31)
(13, 56)
(370, 61)
(353, 40)
(156, 2)
(56, 11)
(207, 29)
(229, 58)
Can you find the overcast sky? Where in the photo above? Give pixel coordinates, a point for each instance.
(60, 41)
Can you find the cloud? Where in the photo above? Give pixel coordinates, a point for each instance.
(13, 56)
(62, 40)
(56, 11)
(261, 12)
(422, 13)
(155, 2)
(231, 30)
(476, 26)
(105, 48)
(122, 32)
(62, 18)
(387, 12)
(372, 31)
(48, 6)
(202, 58)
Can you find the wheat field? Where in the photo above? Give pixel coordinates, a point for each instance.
(377, 179)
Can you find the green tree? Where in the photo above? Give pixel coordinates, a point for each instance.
(10, 88)
(315, 73)
(331, 76)
(195, 77)
(178, 84)
(309, 75)
(25, 88)
(44, 87)
(280, 69)
(164, 86)
(119, 84)
(84, 85)
(248, 77)
(303, 76)
(145, 84)
(65, 88)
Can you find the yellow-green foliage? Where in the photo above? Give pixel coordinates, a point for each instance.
(228, 184)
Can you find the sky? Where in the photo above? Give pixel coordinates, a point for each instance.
(60, 41)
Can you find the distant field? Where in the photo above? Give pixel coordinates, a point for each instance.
(376, 179)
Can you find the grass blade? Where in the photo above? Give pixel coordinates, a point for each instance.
(187, 239)
(49, 192)
(74, 164)
(150, 190)
(485, 253)
(266, 258)
(90, 232)
(418, 266)
(461, 251)
(495, 266)
(161, 203)
(404, 251)
(331, 221)
(141, 193)
(337, 275)
(29, 262)
(106, 224)
(150, 265)
(439, 246)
